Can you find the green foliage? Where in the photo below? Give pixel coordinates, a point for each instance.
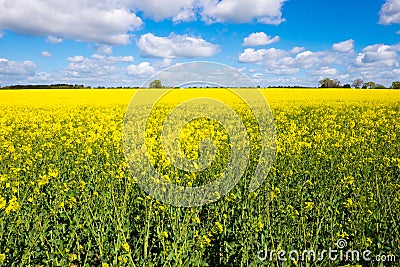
(46, 86)
(357, 83)
(396, 85)
(379, 86)
(347, 85)
(328, 83)
(369, 85)
(156, 84)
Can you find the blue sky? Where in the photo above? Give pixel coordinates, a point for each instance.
(275, 42)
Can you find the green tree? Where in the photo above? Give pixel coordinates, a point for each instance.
(396, 85)
(156, 84)
(357, 83)
(380, 86)
(328, 83)
(369, 85)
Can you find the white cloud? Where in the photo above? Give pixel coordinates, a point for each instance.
(250, 55)
(104, 49)
(178, 10)
(273, 53)
(378, 55)
(390, 12)
(282, 71)
(121, 59)
(1, 35)
(54, 40)
(106, 22)
(80, 67)
(41, 77)
(108, 59)
(77, 58)
(306, 59)
(97, 56)
(14, 68)
(165, 63)
(297, 49)
(345, 46)
(325, 72)
(105, 68)
(379, 63)
(143, 69)
(240, 11)
(46, 54)
(259, 38)
(111, 22)
(296, 66)
(200, 72)
(257, 77)
(187, 14)
(175, 46)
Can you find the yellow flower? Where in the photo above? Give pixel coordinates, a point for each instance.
(2, 257)
(164, 234)
(3, 203)
(252, 195)
(126, 247)
(13, 205)
(82, 184)
(276, 190)
(3, 177)
(309, 205)
(348, 203)
(196, 220)
(259, 226)
(368, 242)
(204, 241)
(53, 173)
(72, 201)
(44, 179)
(342, 235)
(219, 227)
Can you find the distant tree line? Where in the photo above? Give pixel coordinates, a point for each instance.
(324, 83)
(118, 87)
(288, 86)
(357, 83)
(46, 86)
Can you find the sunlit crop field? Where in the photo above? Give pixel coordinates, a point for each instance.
(67, 197)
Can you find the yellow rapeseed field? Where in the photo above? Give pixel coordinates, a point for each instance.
(67, 197)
